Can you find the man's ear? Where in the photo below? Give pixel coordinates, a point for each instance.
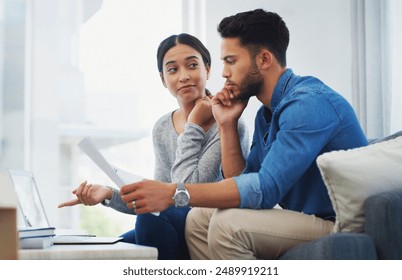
(163, 80)
(266, 58)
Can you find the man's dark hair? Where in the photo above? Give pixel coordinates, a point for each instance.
(258, 29)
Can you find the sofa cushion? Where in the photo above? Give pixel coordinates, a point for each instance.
(384, 223)
(351, 176)
(338, 246)
(389, 137)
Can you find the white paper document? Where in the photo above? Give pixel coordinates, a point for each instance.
(117, 175)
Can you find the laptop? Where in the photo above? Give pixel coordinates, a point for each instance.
(33, 214)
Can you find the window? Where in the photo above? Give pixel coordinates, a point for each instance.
(12, 79)
(123, 95)
(69, 69)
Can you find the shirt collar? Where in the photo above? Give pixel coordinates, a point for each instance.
(280, 89)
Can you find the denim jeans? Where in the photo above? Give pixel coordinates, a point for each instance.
(165, 232)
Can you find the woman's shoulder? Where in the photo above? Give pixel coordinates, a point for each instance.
(241, 125)
(164, 121)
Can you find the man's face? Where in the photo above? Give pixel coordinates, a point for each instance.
(243, 78)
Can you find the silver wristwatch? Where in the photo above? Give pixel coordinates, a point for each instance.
(181, 197)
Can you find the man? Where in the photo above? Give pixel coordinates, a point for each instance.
(300, 119)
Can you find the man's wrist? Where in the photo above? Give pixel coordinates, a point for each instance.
(228, 126)
(173, 186)
(181, 197)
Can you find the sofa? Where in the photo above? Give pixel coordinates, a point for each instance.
(382, 238)
(376, 232)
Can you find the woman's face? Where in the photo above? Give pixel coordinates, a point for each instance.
(184, 73)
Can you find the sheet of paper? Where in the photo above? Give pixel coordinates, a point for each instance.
(88, 147)
(117, 175)
(126, 177)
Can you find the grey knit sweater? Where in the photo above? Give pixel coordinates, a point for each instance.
(194, 156)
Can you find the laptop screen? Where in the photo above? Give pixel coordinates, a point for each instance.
(31, 207)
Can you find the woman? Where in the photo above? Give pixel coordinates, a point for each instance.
(186, 145)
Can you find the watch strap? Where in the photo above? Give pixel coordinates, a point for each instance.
(181, 187)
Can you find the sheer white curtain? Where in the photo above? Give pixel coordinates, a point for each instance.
(371, 66)
(396, 31)
(375, 89)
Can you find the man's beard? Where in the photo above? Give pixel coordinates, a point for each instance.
(251, 84)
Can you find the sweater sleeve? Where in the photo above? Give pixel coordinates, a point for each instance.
(117, 204)
(198, 156)
(244, 138)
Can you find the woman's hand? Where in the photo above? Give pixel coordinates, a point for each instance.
(89, 194)
(202, 113)
(148, 196)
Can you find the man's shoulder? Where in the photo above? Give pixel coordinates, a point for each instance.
(307, 84)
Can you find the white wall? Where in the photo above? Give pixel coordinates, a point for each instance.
(320, 38)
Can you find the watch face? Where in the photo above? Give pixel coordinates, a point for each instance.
(181, 199)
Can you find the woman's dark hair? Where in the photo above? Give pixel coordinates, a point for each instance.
(257, 29)
(185, 39)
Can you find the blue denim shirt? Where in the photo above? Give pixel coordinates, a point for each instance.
(306, 118)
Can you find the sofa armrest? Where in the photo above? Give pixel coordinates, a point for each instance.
(383, 223)
(338, 246)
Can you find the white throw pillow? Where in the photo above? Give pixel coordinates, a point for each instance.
(352, 176)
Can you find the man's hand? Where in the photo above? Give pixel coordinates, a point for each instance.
(226, 109)
(149, 196)
(89, 194)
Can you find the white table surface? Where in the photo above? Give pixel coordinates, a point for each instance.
(117, 251)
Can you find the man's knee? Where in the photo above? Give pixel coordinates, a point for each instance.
(197, 221)
(192, 221)
(223, 222)
(196, 231)
(221, 235)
